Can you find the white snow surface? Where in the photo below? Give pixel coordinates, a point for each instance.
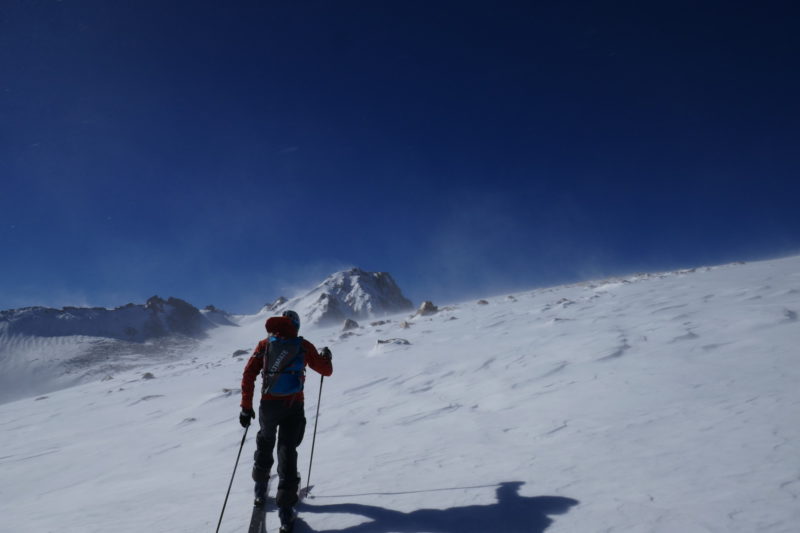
(654, 403)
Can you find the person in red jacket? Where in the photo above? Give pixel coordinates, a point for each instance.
(281, 359)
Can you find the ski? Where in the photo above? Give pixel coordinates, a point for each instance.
(258, 520)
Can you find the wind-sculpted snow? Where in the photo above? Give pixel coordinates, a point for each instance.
(655, 403)
(32, 366)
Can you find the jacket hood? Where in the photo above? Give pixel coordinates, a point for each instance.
(281, 326)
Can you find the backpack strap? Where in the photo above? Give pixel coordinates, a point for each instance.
(271, 371)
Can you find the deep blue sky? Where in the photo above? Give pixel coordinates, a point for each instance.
(228, 152)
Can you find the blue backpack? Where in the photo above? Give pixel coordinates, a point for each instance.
(284, 367)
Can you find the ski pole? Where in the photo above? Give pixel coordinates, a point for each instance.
(232, 475)
(314, 439)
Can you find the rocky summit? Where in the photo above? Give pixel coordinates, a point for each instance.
(353, 293)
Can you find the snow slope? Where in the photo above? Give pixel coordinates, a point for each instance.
(655, 403)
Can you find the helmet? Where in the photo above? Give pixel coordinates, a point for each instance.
(294, 317)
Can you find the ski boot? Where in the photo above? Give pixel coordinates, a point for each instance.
(260, 490)
(287, 516)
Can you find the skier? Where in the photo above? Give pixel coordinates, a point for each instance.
(281, 358)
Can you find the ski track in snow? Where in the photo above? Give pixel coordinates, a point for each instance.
(655, 403)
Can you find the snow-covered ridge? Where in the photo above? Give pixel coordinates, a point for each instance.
(352, 293)
(157, 318)
(44, 349)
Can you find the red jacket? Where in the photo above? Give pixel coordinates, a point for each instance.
(256, 362)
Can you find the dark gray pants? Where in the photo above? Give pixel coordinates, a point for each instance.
(287, 421)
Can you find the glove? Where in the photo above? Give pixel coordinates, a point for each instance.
(246, 416)
(326, 354)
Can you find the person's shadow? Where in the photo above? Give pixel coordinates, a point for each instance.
(511, 514)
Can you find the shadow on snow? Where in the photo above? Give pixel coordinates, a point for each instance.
(511, 514)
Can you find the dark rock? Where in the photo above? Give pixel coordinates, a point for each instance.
(427, 308)
(400, 342)
(277, 303)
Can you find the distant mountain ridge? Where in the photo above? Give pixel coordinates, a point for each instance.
(352, 293)
(44, 349)
(156, 318)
